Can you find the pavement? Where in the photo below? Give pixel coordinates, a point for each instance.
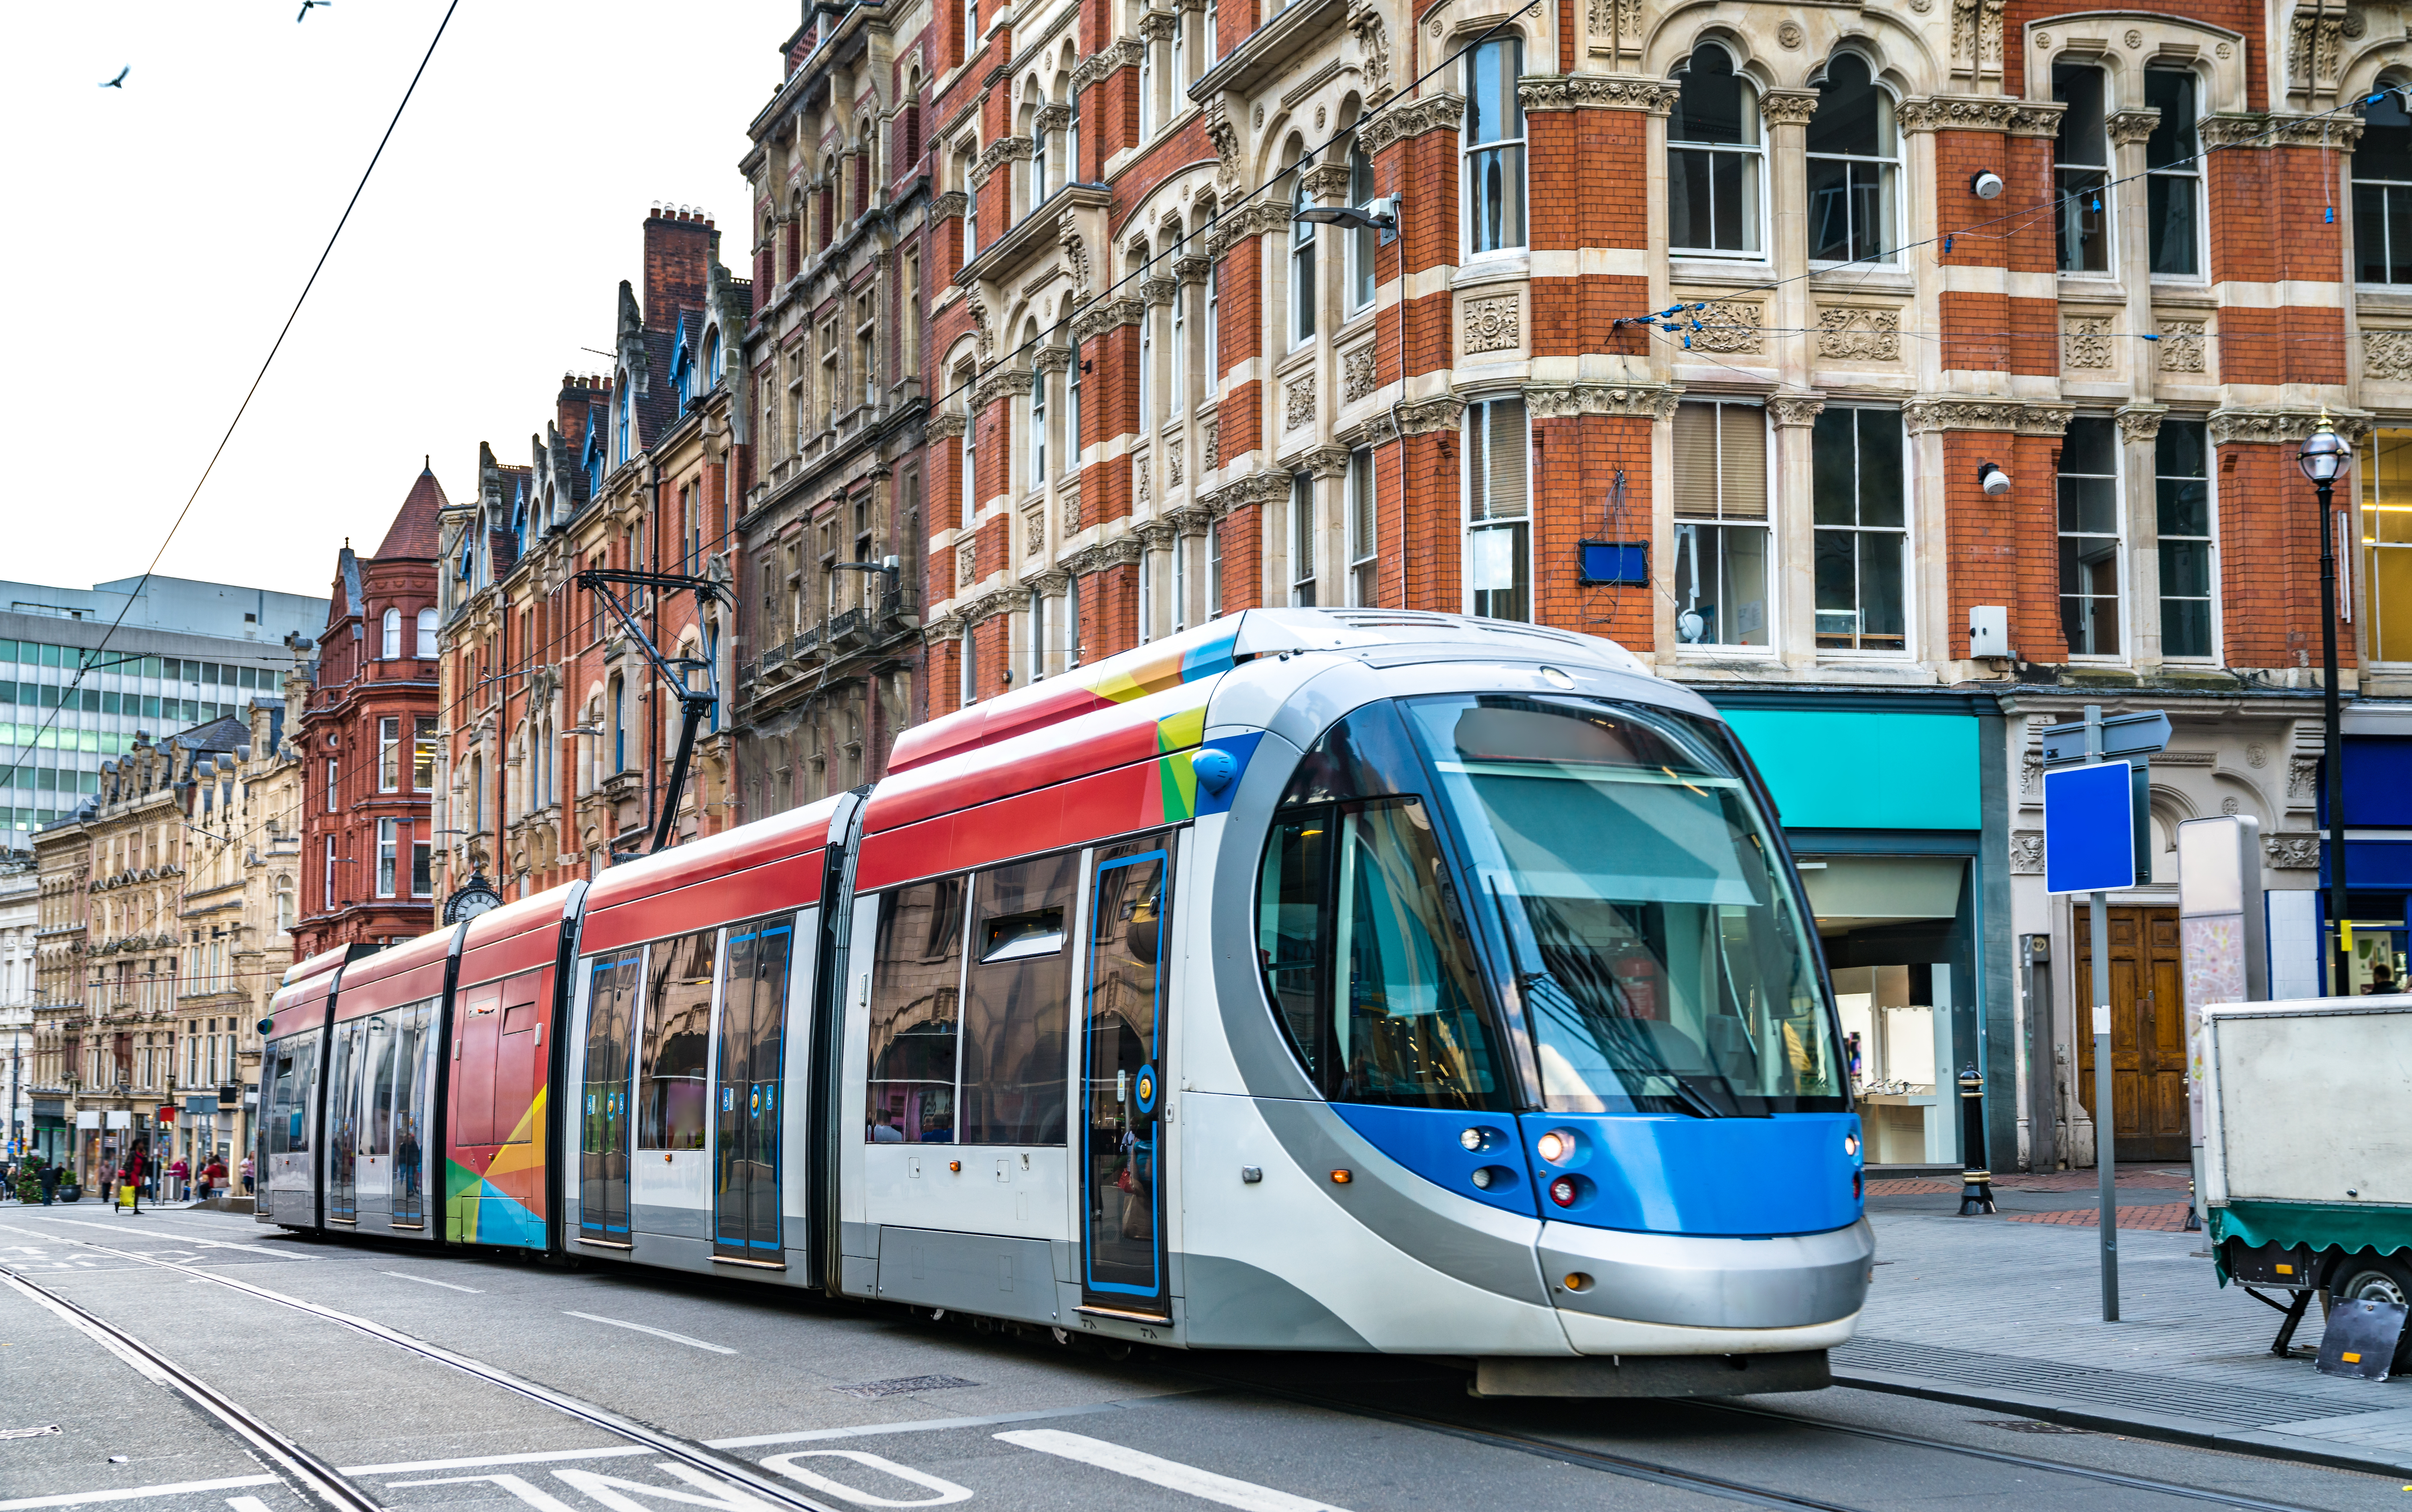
(2006, 1311)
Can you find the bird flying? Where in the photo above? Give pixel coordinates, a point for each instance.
(305, 9)
(118, 82)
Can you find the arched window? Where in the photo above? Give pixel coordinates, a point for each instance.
(392, 641)
(1038, 187)
(1854, 167)
(1714, 156)
(2174, 174)
(2080, 158)
(619, 725)
(427, 633)
(2382, 190)
(1072, 139)
(1036, 412)
(1494, 147)
(1301, 265)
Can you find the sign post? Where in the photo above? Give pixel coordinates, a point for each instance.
(2093, 814)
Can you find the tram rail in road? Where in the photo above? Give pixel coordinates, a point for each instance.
(707, 1465)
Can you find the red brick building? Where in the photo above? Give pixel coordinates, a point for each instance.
(362, 717)
(557, 733)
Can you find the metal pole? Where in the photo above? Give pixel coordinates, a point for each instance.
(2106, 1142)
(1975, 1179)
(2334, 753)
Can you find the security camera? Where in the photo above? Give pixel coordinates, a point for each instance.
(1991, 478)
(1986, 186)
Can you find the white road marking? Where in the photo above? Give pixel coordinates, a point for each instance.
(480, 1461)
(427, 1282)
(246, 1503)
(607, 1489)
(645, 1328)
(1170, 1473)
(947, 1490)
(532, 1494)
(135, 1494)
(205, 1243)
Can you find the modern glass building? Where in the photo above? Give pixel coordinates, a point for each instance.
(180, 652)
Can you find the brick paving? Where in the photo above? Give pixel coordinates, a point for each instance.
(2006, 1311)
(2162, 1217)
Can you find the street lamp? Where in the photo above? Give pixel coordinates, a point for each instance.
(2323, 458)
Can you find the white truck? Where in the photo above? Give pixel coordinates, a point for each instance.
(2305, 1110)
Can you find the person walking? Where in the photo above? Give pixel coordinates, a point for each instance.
(136, 1163)
(247, 1174)
(50, 1182)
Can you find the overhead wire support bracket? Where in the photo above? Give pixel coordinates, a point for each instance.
(694, 703)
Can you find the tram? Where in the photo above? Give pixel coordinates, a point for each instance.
(1310, 980)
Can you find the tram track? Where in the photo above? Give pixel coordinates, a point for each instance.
(322, 1478)
(1659, 1473)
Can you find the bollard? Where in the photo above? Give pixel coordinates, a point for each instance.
(1976, 1182)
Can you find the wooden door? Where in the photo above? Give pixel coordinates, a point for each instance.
(2147, 1031)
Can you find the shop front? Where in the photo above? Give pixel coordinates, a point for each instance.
(1884, 800)
(2378, 851)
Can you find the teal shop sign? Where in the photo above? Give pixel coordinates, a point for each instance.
(1863, 770)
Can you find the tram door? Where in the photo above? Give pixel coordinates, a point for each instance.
(753, 1051)
(603, 1118)
(344, 1122)
(1122, 1044)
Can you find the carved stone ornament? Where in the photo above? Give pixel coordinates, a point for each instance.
(1158, 291)
(1789, 36)
(1788, 107)
(2181, 346)
(2026, 852)
(1158, 26)
(1596, 92)
(1105, 314)
(1210, 451)
(1298, 404)
(1067, 501)
(2292, 851)
(1256, 218)
(1977, 38)
(1326, 460)
(1256, 489)
(997, 385)
(985, 333)
(1616, 26)
(2303, 778)
(2314, 45)
(1051, 117)
(966, 563)
(2275, 427)
(1374, 49)
(1051, 359)
(2141, 422)
(1921, 415)
(1326, 184)
(1410, 118)
(1225, 139)
(2030, 774)
(2085, 342)
(1857, 334)
(1193, 269)
(1357, 374)
(1557, 400)
(1493, 324)
(2387, 355)
(1422, 417)
(1793, 411)
(1123, 52)
(2127, 128)
(1033, 531)
(1959, 112)
(1172, 463)
(1076, 249)
(946, 425)
(1142, 478)
(1730, 326)
(953, 202)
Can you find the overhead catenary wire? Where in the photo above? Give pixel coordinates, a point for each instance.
(7, 779)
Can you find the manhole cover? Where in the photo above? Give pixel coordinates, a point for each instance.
(903, 1385)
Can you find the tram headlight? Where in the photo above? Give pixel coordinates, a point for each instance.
(1557, 1147)
(1483, 1178)
(1471, 1138)
(1850, 1144)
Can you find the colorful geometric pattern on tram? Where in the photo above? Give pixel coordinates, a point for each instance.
(497, 1196)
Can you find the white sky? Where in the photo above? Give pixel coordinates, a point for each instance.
(159, 233)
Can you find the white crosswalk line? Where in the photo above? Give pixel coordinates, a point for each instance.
(426, 1281)
(134, 1494)
(1170, 1473)
(642, 1327)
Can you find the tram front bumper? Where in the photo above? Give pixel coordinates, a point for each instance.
(1802, 1285)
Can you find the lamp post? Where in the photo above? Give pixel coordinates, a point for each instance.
(2323, 458)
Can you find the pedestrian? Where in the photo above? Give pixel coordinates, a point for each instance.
(213, 1177)
(247, 1174)
(135, 1165)
(50, 1182)
(179, 1179)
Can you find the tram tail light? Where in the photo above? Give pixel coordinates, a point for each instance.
(1562, 1193)
(1857, 1191)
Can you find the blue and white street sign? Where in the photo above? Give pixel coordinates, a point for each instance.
(2089, 828)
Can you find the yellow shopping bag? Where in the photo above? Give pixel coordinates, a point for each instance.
(126, 1197)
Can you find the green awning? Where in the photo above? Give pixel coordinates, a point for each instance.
(2319, 1226)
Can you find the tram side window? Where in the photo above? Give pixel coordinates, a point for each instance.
(916, 989)
(289, 1100)
(672, 1090)
(1017, 1003)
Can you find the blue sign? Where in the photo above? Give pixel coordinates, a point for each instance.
(2089, 828)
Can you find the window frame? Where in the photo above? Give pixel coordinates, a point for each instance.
(2107, 168)
(1492, 521)
(2210, 541)
(2124, 580)
(1905, 530)
(1300, 549)
(1722, 523)
(389, 738)
(1889, 170)
(1362, 243)
(1300, 302)
(2189, 173)
(1756, 151)
(2398, 191)
(1518, 146)
(388, 856)
(390, 635)
(1365, 530)
(2371, 501)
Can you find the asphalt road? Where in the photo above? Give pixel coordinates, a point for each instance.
(850, 1405)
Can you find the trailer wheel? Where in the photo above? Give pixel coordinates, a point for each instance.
(2376, 1278)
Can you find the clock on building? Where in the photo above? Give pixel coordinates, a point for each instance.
(475, 897)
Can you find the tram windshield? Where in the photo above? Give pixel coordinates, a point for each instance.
(1663, 961)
